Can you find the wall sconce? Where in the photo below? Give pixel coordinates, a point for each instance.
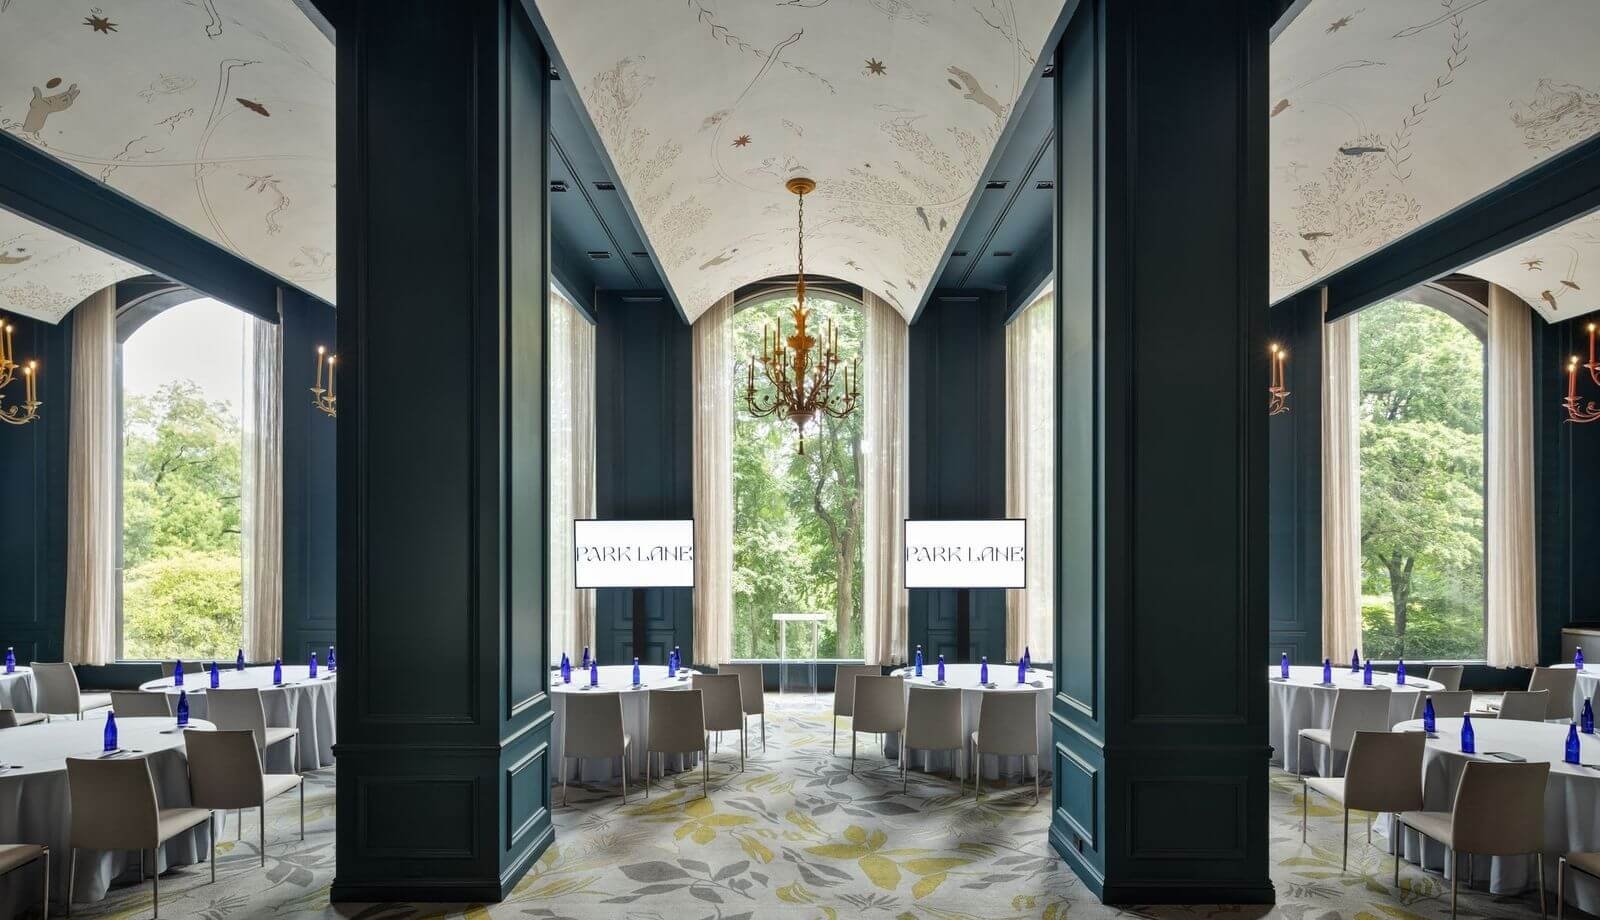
(326, 399)
(1277, 393)
(29, 409)
(1585, 411)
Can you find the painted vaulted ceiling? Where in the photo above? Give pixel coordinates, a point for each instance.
(705, 107)
(44, 274)
(218, 114)
(1386, 115)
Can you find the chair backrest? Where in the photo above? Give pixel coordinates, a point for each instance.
(169, 668)
(238, 710)
(1559, 681)
(1525, 705)
(136, 703)
(58, 687)
(677, 721)
(844, 686)
(1008, 724)
(724, 709)
(1499, 808)
(880, 704)
(593, 725)
(1446, 675)
(8, 718)
(933, 719)
(1385, 771)
(113, 803)
(752, 686)
(224, 769)
(1447, 704)
(1357, 710)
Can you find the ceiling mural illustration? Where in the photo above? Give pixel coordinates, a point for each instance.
(1387, 115)
(44, 274)
(1556, 272)
(892, 106)
(218, 114)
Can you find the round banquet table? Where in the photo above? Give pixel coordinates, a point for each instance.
(1303, 701)
(301, 702)
(36, 807)
(618, 679)
(1571, 801)
(963, 679)
(17, 692)
(1584, 688)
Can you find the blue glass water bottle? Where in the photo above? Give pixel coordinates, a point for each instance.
(1366, 674)
(216, 676)
(1355, 661)
(277, 672)
(585, 663)
(1283, 666)
(183, 708)
(1586, 719)
(983, 670)
(917, 665)
(311, 671)
(940, 677)
(1327, 670)
(238, 663)
(1022, 672)
(1574, 751)
(636, 680)
(11, 660)
(566, 669)
(333, 664)
(594, 672)
(1577, 658)
(177, 673)
(677, 651)
(1400, 673)
(672, 665)
(111, 732)
(1429, 720)
(1469, 743)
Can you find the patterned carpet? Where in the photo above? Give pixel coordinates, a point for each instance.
(796, 836)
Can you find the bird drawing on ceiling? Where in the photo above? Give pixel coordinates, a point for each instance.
(1533, 264)
(924, 215)
(1339, 23)
(971, 89)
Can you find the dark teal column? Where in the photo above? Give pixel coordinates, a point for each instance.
(444, 713)
(1160, 713)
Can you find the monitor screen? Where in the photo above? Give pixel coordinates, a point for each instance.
(633, 554)
(967, 554)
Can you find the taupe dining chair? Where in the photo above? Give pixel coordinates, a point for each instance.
(1525, 705)
(1384, 774)
(593, 728)
(1582, 863)
(1447, 704)
(138, 703)
(933, 723)
(724, 710)
(677, 726)
(10, 718)
(114, 807)
(1498, 811)
(1007, 725)
(1447, 675)
(880, 708)
(14, 856)
(225, 773)
(752, 693)
(242, 709)
(59, 693)
(1354, 710)
(169, 668)
(1559, 681)
(844, 693)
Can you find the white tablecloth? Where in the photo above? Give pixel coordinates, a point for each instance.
(36, 807)
(300, 702)
(614, 678)
(1584, 688)
(17, 691)
(1302, 702)
(963, 679)
(1571, 803)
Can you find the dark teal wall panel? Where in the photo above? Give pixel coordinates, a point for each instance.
(1567, 460)
(1294, 486)
(310, 557)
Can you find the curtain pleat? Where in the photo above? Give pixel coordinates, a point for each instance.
(884, 390)
(1512, 616)
(583, 473)
(91, 614)
(262, 506)
(571, 467)
(1030, 473)
(1341, 489)
(713, 484)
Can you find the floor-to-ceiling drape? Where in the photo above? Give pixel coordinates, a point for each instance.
(262, 504)
(571, 470)
(1030, 472)
(91, 616)
(713, 484)
(1513, 623)
(884, 392)
(1341, 489)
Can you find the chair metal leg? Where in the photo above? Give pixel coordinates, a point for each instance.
(1538, 862)
(1036, 779)
(1344, 857)
(238, 817)
(141, 867)
(564, 780)
(72, 875)
(1395, 843)
(623, 762)
(763, 731)
(262, 815)
(836, 734)
(46, 900)
(155, 884)
(213, 848)
(852, 749)
(1561, 888)
(1305, 808)
(977, 775)
(742, 743)
(1455, 880)
(705, 773)
(302, 809)
(904, 756)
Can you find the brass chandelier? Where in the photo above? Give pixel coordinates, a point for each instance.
(801, 384)
(28, 410)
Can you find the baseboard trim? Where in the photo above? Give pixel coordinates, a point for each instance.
(1157, 892)
(427, 891)
(520, 866)
(1087, 872)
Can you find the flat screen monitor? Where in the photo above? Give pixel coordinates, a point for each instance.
(967, 554)
(633, 554)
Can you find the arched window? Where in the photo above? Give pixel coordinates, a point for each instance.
(1422, 368)
(797, 520)
(182, 372)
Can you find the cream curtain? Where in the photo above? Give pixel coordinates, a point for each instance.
(884, 391)
(571, 467)
(1030, 472)
(263, 490)
(91, 616)
(713, 484)
(1341, 489)
(1509, 570)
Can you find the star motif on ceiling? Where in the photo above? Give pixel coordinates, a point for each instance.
(1338, 24)
(742, 140)
(876, 68)
(102, 24)
(1533, 265)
